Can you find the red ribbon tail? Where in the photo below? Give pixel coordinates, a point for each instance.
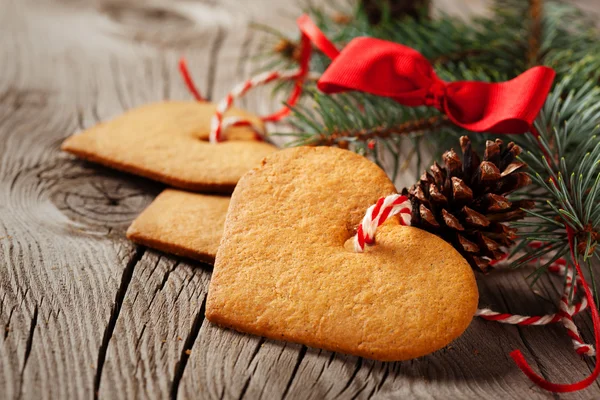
(187, 79)
(304, 23)
(311, 31)
(285, 110)
(519, 359)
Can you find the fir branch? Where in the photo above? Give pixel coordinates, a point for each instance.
(564, 162)
(457, 56)
(535, 13)
(383, 132)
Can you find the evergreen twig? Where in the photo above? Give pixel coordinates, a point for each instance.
(535, 14)
(564, 159)
(383, 132)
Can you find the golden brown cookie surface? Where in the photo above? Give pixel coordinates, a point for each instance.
(182, 223)
(168, 142)
(282, 270)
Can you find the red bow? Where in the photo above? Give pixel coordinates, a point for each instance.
(392, 70)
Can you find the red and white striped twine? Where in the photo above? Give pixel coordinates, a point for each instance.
(377, 214)
(564, 315)
(311, 35)
(219, 124)
(395, 204)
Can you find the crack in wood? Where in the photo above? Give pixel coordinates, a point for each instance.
(155, 265)
(2, 302)
(126, 277)
(166, 276)
(7, 326)
(263, 389)
(372, 392)
(318, 378)
(14, 180)
(28, 347)
(163, 282)
(139, 339)
(529, 348)
(281, 351)
(331, 357)
(245, 388)
(386, 373)
(256, 350)
(188, 344)
(362, 388)
(359, 363)
(25, 292)
(301, 355)
(185, 285)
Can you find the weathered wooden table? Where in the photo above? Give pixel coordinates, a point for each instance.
(86, 313)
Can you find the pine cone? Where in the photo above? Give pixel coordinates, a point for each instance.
(465, 202)
(288, 49)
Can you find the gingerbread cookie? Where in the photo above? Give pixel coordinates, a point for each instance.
(168, 142)
(283, 270)
(182, 223)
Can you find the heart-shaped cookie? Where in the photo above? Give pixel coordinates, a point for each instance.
(168, 142)
(284, 271)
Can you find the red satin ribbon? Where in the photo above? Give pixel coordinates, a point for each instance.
(392, 70)
(317, 37)
(305, 53)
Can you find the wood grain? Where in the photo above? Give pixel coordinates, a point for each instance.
(87, 314)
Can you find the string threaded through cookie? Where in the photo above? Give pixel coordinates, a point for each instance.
(389, 206)
(219, 124)
(377, 214)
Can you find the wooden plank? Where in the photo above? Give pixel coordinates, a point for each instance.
(68, 264)
(160, 318)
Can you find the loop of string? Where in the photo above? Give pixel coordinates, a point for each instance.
(219, 124)
(377, 214)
